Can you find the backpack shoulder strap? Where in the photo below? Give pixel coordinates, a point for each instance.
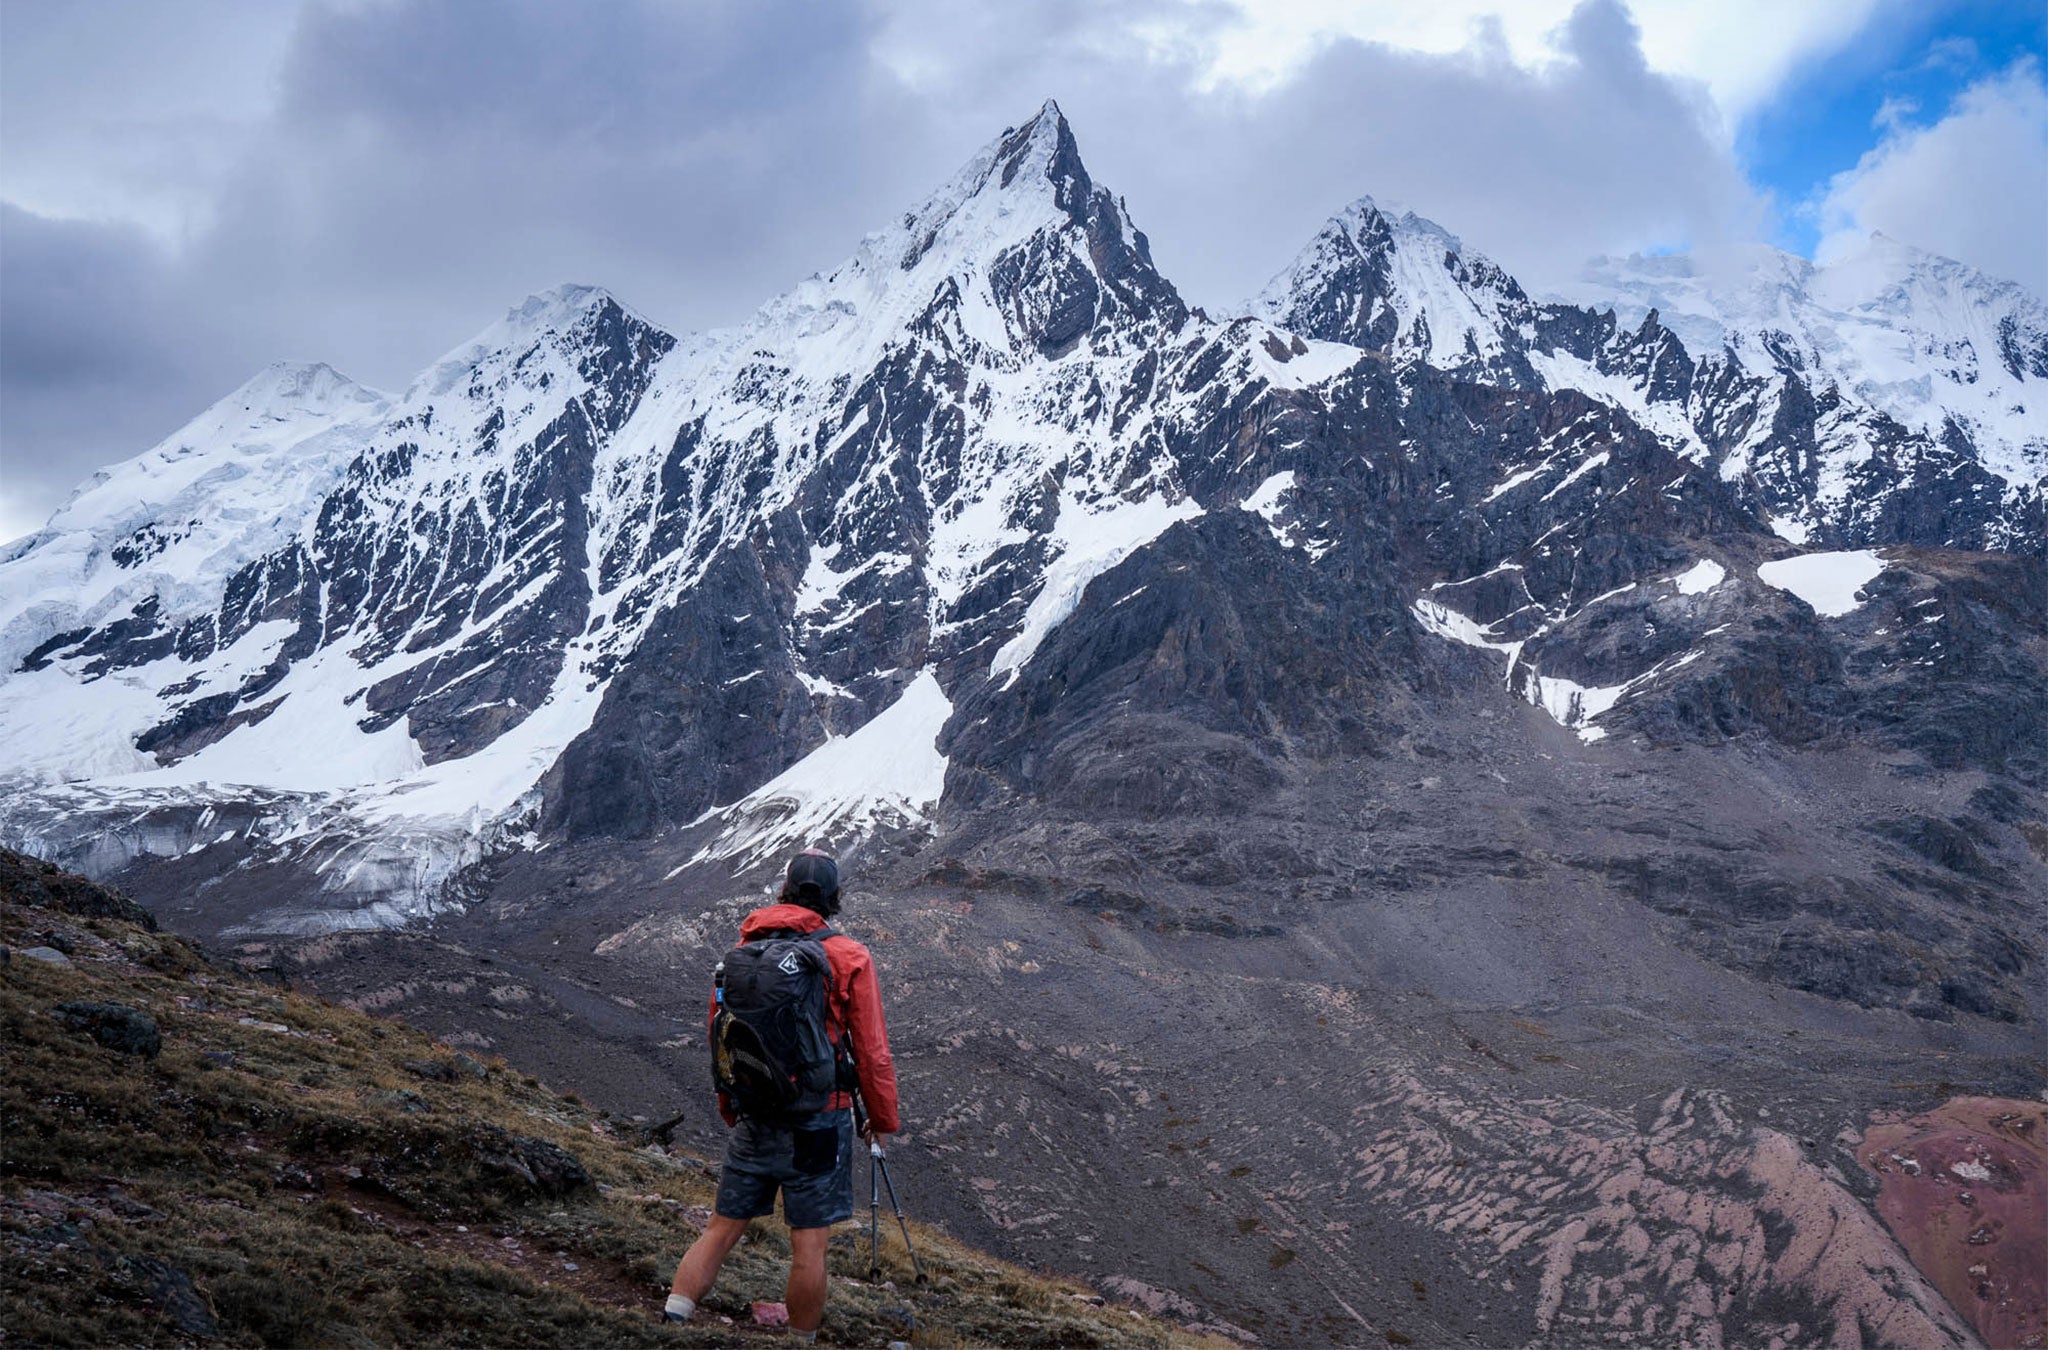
(794, 934)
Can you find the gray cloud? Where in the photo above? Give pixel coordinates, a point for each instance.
(422, 165)
(1539, 169)
(94, 361)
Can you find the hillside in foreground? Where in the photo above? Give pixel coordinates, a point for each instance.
(188, 1154)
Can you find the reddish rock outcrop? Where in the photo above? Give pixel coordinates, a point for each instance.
(1965, 1190)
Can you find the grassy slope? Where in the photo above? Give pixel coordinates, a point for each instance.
(277, 1184)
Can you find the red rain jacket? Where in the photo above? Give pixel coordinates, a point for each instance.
(853, 1005)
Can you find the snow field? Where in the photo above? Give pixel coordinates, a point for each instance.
(888, 773)
(1091, 542)
(1827, 582)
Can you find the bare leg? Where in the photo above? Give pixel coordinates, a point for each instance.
(699, 1266)
(805, 1295)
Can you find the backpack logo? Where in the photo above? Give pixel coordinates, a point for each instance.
(788, 964)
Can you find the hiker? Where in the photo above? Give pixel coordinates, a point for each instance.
(792, 1130)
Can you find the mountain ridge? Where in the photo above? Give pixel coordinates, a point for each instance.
(620, 467)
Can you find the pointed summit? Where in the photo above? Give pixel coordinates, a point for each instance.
(1038, 154)
(1025, 180)
(1022, 246)
(225, 488)
(1384, 278)
(560, 311)
(581, 324)
(557, 307)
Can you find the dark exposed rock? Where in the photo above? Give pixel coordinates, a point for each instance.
(39, 658)
(171, 1290)
(547, 1168)
(662, 749)
(130, 1031)
(44, 885)
(1951, 844)
(402, 1100)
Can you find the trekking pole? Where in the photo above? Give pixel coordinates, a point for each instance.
(878, 1176)
(860, 1125)
(875, 1150)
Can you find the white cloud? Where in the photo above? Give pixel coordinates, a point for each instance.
(1740, 50)
(1745, 50)
(1972, 186)
(1229, 179)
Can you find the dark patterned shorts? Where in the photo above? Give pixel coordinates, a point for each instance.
(810, 1161)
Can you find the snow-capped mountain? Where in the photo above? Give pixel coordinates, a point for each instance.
(1892, 395)
(175, 521)
(457, 585)
(586, 579)
(1921, 338)
(1381, 277)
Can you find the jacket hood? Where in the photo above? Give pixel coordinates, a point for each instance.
(769, 917)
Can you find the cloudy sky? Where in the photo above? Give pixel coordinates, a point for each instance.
(192, 189)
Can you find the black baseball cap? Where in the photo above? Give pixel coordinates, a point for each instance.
(812, 875)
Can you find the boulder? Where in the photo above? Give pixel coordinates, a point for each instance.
(548, 1168)
(114, 1025)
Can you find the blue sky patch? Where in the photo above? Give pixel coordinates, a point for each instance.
(1909, 64)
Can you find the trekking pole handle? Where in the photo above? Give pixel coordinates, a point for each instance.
(860, 1120)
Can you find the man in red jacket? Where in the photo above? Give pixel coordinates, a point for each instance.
(809, 1159)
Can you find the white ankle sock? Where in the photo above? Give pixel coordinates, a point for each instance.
(679, 1307)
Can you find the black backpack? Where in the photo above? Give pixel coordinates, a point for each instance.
(770, 1052)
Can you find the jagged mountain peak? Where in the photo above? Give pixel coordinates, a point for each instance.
(565, 313)
(277, 409)
(304, 394)
(171, 522)
(1021, 244)
(1368, 214)
(1018, 182)
(1707, 294)
(1378, 275)
(1930, 342)
(1890, 273)
(557, 308)
(568, 321)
